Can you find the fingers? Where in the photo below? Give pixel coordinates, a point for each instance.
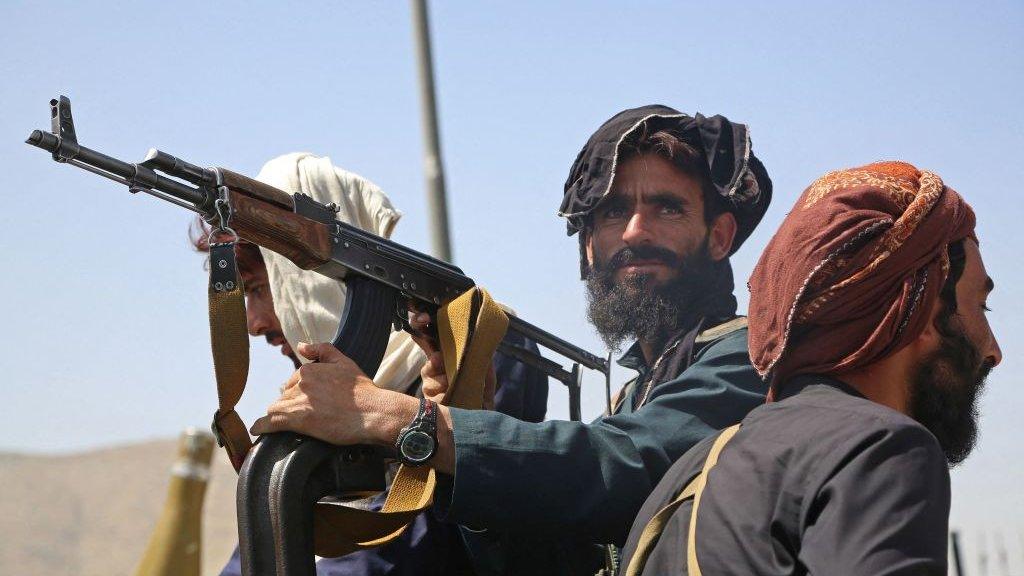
(264, 425)
(419, 320)
(292, 380)
(329, 366)
(434, 366)
(273, 422)
(321, 352)
(435, 390)
(435, 381)
(325, 400)
(289, 412)
(305, 373)
(422, 330)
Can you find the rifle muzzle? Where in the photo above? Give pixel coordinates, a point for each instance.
(43, 140)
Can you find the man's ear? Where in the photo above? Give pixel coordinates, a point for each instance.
(929, 338)
(588, 242)
(586, 253)
(721, 233)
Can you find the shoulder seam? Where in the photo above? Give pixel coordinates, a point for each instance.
(716, 332)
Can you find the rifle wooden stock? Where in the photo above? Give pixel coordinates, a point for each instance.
(264, 222)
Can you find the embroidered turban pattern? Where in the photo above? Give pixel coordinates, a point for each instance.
(855, 269)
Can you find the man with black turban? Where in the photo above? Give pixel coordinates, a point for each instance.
(867, 316)
(661, 200)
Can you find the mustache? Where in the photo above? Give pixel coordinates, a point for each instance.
(272, 335)
(986, 366)
(629, 255)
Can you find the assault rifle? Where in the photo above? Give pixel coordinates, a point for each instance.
(382, 277)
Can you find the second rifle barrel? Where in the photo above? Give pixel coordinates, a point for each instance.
(556, 344)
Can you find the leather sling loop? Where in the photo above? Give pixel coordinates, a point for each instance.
(656, 525)
(470, 328)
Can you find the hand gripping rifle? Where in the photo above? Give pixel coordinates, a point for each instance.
(285, 474)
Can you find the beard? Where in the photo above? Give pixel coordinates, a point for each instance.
(945, 389)
(639, 307)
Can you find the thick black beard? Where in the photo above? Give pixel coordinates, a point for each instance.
(945, 389)
(638, 307)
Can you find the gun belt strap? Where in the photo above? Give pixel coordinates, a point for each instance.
(470, 328)
(652, 531)
(229, 341)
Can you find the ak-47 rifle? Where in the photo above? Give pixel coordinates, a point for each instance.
(382, 279)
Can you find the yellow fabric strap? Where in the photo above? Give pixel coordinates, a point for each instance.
(229, 340)
(469, 330)
(691, 541)
(656, 525)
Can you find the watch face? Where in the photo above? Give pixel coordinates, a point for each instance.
(417, 446)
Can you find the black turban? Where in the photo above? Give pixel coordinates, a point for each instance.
(737, 175)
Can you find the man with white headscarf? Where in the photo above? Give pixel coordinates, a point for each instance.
(288, 305)
(309, 305)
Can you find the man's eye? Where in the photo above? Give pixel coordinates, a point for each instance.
(613, 213)
(671, 210)
(986, 308)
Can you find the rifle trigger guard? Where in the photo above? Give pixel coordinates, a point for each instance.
(400, 321)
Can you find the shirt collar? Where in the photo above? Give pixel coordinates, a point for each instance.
(799, 383)
(633, 358)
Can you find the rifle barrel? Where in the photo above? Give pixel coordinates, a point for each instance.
(143, 177)
(131, 173)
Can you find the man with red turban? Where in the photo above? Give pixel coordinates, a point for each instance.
(867, 318)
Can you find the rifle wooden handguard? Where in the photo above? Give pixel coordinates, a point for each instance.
(264, 222)
(256, 189)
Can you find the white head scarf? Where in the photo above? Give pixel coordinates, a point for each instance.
(308, 304)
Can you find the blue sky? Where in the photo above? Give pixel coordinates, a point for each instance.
(107, 341)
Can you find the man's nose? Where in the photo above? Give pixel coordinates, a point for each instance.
(995, 354)
(637, 230)
(256, 320)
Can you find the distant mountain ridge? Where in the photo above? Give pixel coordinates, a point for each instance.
(91, 513)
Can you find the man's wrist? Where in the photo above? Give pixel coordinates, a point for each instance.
(393, 413)
(389, 412)
(417, 442)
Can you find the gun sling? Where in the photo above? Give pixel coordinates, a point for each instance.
(652, 531)
(470, 328)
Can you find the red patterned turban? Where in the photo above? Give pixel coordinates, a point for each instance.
(854, 271)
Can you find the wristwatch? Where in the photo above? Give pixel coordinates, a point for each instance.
(417, 442)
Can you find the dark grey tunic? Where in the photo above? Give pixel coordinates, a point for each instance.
(822, 482)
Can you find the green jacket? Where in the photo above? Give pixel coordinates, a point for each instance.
(584, 483)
